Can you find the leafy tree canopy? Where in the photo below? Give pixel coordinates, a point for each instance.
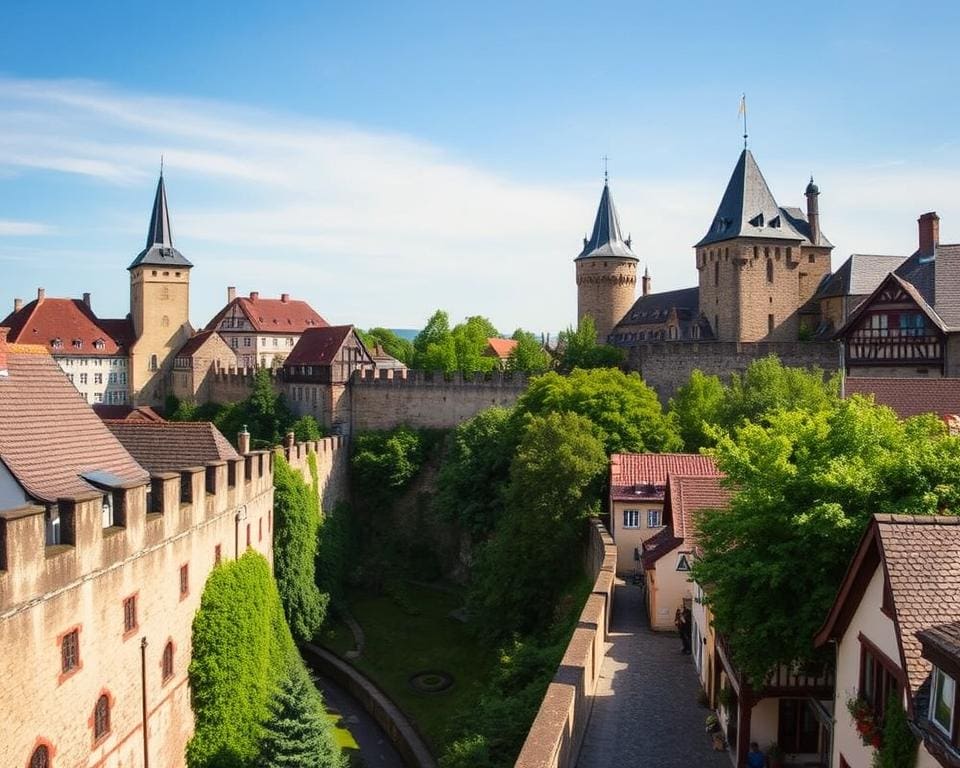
(696, 407)
(579, 348)
(392, 344)
(528, 356)
(385, 462)
(807, 482)
(440, 348)
(624, 409)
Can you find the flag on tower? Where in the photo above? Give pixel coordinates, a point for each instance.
(743, 105)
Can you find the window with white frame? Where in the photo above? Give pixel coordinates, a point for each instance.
(631, 518)
(83, 378)
(943, 691)
(654, 517)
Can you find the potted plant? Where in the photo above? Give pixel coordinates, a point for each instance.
(865, 721)
(712, 723)
(775, 756)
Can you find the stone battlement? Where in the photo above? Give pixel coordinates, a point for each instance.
(439, 378)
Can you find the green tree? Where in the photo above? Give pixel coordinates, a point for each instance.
(554, 486)
(433, 348)
(297, 733)
(306, 429)
(473, 478)
(528, 356)
(470, 342)
(579, 348)
(392, 344)
(695, 407)
(385, 462)
(295, 532)
(242, 649)
(626, 411)
(899, 748)
(806, 485)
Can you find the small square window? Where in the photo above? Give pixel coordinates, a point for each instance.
(631, 518)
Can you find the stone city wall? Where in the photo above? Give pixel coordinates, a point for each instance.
(557, 733)
(667, 365)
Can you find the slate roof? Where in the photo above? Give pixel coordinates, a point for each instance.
(798, 219)
(42, 321)
(318, 346)
(500, 347)
(922, 556)
(643, 476)
(272, 315)
(654, 308)
(748, 208)
(49, 436)
(945, 638)
(159, 250)
(859, 275)
(606, 239)
(909, 397)
(171, 446)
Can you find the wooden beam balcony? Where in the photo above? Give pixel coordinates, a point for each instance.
(894, 347)
(785, 680)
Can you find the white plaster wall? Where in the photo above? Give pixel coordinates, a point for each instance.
(764, 721)
(669, 589)
(628, 539)
(879, 629)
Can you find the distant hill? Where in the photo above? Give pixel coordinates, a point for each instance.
(406, 333)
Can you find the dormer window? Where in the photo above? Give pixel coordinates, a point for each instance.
(78, 343)
(99, 344)
(57, 343)
(757, 221)
(943, 700)
(774, 222)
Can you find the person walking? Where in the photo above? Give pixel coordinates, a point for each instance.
(686, 628)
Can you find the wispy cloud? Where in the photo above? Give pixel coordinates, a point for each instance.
(9, 228)
(381, 228)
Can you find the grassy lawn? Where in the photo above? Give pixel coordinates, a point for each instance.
(408, 632)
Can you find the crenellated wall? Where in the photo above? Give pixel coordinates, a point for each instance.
(386, 399)
(557, 732)
(235, 384)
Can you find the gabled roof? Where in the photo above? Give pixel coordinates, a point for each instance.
(319, 346)
(655, 308)
(272, 315)
(661, 543)
(172, 446)
(920, 557)
(909, 397)
(606, 239)
(109, 412)
(500, 348)
(49, 436)
(196, 342)
(936, 276)
(643, 476)
(159, 250)
(748, 208)
(859, 275)
(892, 279)
(47, 320)
(688, 494)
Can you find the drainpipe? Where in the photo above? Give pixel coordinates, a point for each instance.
(143, 689)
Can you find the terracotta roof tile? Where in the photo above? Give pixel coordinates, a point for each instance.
(635, 476)
(272, 315)
(500, 348)
(689, 494)
(109, 412)
(49, 436)
(171, 446)
(195, 343)
(658, 545)
(318, 346)
(922, 556)
(42, 321)
(909, 397)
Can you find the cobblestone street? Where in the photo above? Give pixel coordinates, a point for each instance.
(645, 712)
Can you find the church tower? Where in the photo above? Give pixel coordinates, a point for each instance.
(606, 270)
(759, 264)
(159, 307)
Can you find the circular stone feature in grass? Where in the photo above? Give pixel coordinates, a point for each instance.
(431, 682)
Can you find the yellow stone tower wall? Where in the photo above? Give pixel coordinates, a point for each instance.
(160, 308)
(605, 291)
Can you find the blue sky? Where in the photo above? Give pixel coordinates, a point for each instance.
(381, 160)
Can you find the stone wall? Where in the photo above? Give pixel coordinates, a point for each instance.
(426, 400)
(668, 365)
(557, 733)
(234, 385)
(332, 463)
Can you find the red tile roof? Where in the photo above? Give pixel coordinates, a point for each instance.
(909, 397)
(318, 346)
(42, 321)
(658, 545)
(171, 446)
(272, 315)
(636, 476)
(109, 412)
(49, 436)
(686, 496)
(195, 343)
(500, 347)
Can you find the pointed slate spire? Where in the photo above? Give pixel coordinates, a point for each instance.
(748, 208)
(606, 239)
(159, 250)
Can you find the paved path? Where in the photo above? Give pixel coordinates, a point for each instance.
(645, 712)
(376, 751)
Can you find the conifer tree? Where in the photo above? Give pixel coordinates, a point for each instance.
(297, 733)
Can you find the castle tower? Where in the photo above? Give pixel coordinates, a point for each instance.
(606, 270)
(759, 264)
(159, 307)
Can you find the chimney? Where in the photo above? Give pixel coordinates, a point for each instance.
(813, 211)
(3, 353)
(86, 300)
(284, 297)
(929, 232)
(17, 305)
(646, 281)
(41, 294)
(254, 295)
(231, 293)
(243, 441)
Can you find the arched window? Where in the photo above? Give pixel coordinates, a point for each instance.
(153, 362)
(40, 757)
(168, 657)
(769, 271)
(101, 718)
